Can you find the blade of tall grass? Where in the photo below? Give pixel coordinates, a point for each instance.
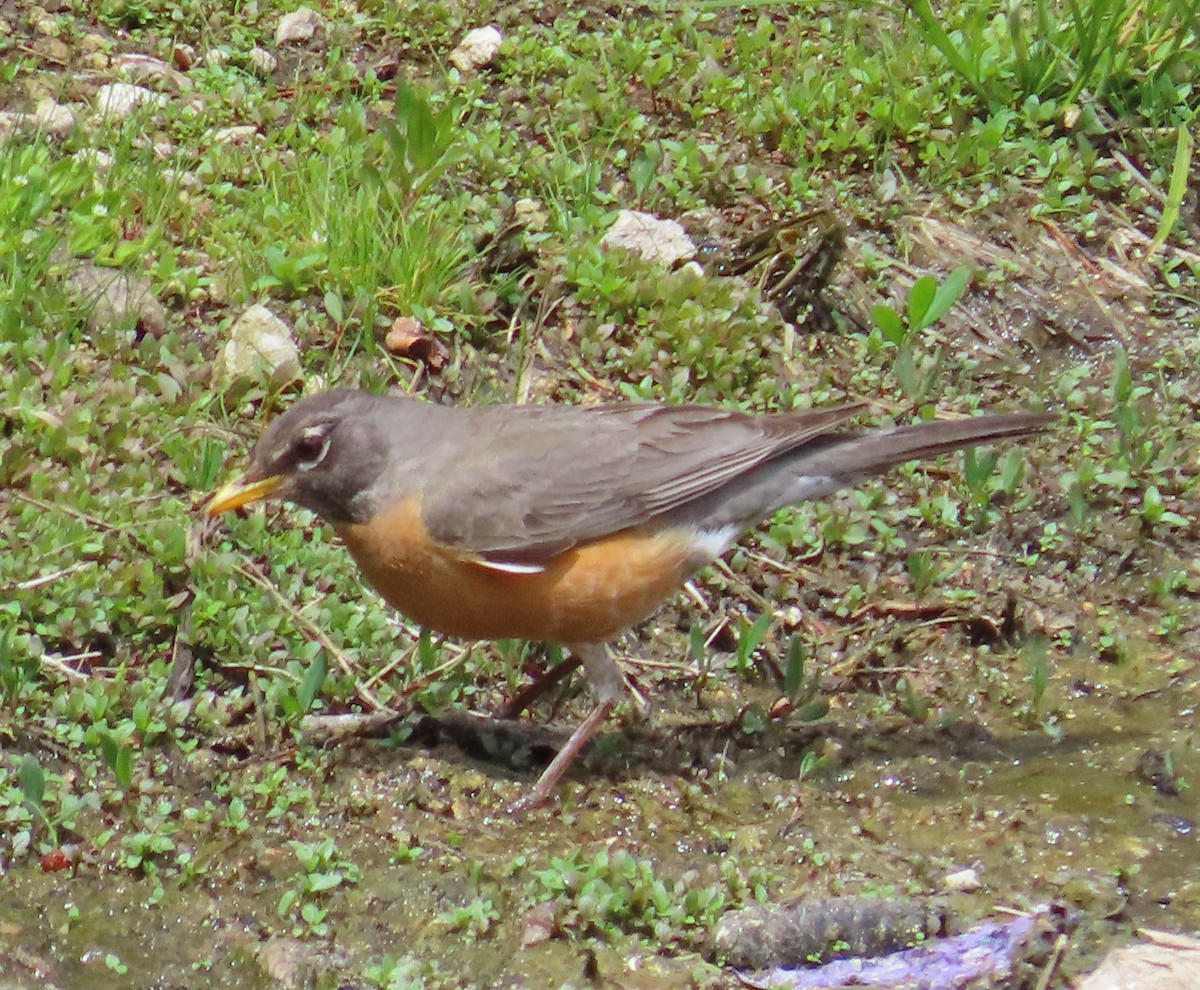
(936, 35)
(1175, 191)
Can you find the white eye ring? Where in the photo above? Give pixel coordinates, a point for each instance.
(315, 433)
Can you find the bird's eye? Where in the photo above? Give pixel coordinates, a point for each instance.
(311, 447)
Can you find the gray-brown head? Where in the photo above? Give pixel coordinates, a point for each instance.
(324, 453)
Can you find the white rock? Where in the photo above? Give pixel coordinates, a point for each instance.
(116, 299)
(145, 69)
(965, 881)
(98, 159)
(54, 118)
(664, 241)
(260, 346)
(237, 134)
(121, 99)
(16, 122)
(44, 23)
(478, 49)
(531, 214)
(300, 25)
(262, 61)
(184, 179)
(49, 117)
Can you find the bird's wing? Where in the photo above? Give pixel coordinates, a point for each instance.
(531, 483)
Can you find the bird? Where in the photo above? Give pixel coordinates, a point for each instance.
(561, 523)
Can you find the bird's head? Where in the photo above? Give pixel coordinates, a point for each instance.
(324, 454)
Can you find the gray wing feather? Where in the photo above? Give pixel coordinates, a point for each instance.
(531, 482)
(532, 485)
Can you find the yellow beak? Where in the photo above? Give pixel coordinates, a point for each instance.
(239, 493)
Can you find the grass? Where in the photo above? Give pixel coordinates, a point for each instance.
(358, 198)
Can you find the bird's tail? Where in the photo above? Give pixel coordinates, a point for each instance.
(854, 455)
(824, 464)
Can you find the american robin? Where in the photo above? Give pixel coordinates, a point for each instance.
(567, 524)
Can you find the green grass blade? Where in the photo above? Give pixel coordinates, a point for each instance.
(1175, 191)
(937, 36)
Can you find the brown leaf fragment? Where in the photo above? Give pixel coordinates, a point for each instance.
(408, 338)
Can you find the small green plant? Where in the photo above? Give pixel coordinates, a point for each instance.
(978, 467)
(928, 301)
(1037, 662)
(1078, 483)
(700, 655)
(420, 147)
(1124, 54)
(143, 849)
(801, 687)
(31, 779)
(475, 918)
(18, 670)
(1154, 511)
(407, 850)
(753, 720)
(290, 271)
(322, 872)
(989, 474)
(922, 570)
(1137, 447)
(1181, 169)
(615, 891)
(298, 703)
(750, 638)
(235, 816)
(913, 705)
(118, 755)
(811, 763)
(809, 853)
(643, 171)
(1165, 585)
(405, 973)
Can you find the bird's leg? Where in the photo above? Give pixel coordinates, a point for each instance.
(608, 683)
(528, 695)
(544, 788)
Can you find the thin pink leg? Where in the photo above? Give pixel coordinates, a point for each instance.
(548, 781)
(608, 683)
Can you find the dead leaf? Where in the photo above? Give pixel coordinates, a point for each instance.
(408, 338)
(538, 926)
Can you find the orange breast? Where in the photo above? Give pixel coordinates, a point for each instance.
(590, 594)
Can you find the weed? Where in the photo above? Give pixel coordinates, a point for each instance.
(811, 764)
(801, 687)
(405, 973)
(119, 757)
(475, 918)
(615, 891)
(928, 302)
(322, 873)
(1037, 661)
(749, 637)
(1115, 51)
(922, 570)
(32, 781)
